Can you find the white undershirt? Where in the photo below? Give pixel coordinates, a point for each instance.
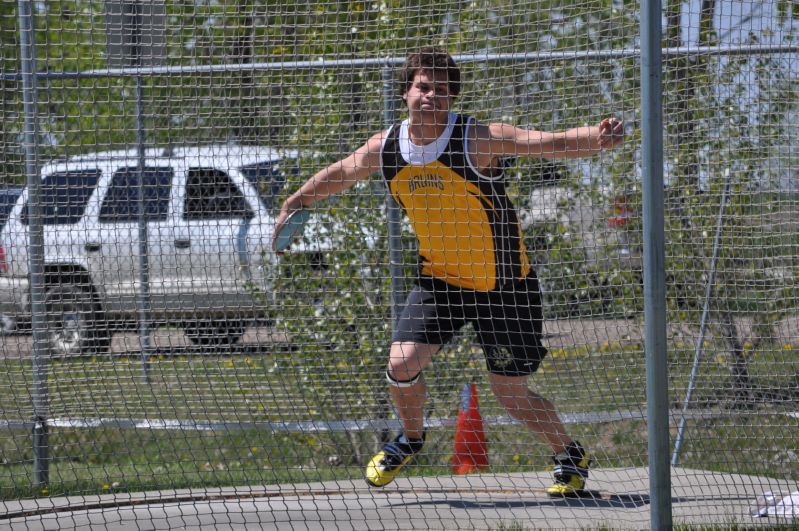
(427, 153)
(416, 154)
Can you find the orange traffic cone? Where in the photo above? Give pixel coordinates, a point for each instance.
(471, 450)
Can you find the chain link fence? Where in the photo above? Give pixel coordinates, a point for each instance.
(154, 342)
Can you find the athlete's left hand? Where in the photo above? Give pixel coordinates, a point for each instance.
(611, 132)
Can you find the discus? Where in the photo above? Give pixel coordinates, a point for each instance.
(290, 229)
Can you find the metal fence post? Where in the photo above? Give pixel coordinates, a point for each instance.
(657, 392)
(393, 214)
(394, 220)
(39, 364)
(700, 340)
(145, 316)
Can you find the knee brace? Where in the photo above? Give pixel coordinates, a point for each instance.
(402, 383)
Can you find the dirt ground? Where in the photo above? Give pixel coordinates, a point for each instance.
(575, 332)
(557, 334)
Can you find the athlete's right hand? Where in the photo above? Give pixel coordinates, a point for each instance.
(291, 204)
(611, 132)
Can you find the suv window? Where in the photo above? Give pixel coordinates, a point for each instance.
(210, 194)
(121, 203)
(269, 177)
(64, 196)
(8, 198)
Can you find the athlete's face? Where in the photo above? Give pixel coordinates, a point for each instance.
(428, 93)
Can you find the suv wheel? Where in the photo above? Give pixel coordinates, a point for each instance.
(74, 325)
(212, 332)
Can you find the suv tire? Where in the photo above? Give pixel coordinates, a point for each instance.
(215, 332)
(74, 323)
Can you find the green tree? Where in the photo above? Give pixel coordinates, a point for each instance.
(11, 167)
(739, 112)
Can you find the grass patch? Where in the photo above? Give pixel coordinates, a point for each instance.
(289, 387)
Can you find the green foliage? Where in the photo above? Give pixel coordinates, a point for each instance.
(338, 319)
(576, 284)
(11, 158)
(587, 267)
(325, 113)
(739, 112)
(752, 260)
(259, 106)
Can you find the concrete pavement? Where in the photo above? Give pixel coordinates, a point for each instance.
(620, 500)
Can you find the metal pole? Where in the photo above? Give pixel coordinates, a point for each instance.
(675, 458)
(654, 266)
(394, 220)
(145, 318)
(393, 214)
(41, 354)
(334, 64)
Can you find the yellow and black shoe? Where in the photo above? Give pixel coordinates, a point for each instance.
(385, 466)
(571, 470)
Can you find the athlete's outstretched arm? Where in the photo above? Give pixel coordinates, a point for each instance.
(503, 140)
(336, 178)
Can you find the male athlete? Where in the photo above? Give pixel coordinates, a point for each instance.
(446, 171)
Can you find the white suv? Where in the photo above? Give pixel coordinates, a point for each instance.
(209, 212)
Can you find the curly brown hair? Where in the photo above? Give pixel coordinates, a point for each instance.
(431, 58)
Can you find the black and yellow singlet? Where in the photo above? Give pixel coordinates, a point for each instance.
(468, 231)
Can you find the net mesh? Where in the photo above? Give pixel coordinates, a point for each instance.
(168, 347)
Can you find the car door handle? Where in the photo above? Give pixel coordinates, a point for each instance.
(92, 247)
(182, 244)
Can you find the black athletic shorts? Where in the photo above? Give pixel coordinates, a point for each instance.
(508, 322)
